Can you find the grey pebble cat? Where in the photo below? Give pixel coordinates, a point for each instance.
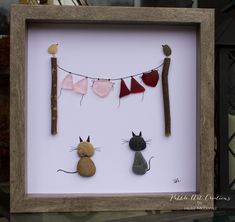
(137, 144)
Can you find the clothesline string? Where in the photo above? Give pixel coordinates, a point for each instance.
(111, 79)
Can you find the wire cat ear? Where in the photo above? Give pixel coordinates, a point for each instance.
(140, 134)
(80, 139)
(88, 139)
(133, 134)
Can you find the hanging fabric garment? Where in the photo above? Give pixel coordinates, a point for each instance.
(67, 82)
(136, 87)
(81, 86)
(124, 91)
(151, 78)
(102, 87)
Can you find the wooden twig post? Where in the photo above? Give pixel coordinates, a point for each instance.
(165, 87)
(54, 95)
(53, 48)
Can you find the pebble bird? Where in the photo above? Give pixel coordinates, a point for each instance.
(53, 48)
(166, 50)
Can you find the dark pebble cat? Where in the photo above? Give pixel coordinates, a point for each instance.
(137, 143)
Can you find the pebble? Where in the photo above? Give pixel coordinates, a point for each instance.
(85, 149)
(140, 165)
(137, 143)
(166, 50)
(86, 167)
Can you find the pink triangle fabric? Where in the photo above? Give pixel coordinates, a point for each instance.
(102, 87)
(81, 86)
(67, 83)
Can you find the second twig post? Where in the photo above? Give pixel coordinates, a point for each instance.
(165, 88)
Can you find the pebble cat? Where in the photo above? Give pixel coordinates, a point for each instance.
(137, 144)
(85, 166)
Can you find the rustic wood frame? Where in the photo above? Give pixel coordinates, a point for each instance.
(203, 19)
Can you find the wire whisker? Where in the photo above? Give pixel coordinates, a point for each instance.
(73, 148)
(125, 141)
(98, 149)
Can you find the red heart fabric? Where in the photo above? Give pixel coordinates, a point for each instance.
(151, 78)
(136, 87)
(124, 91)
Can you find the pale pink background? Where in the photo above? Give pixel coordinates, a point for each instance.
(111, 51)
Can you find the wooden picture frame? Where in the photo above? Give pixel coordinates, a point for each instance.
(202, 19)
